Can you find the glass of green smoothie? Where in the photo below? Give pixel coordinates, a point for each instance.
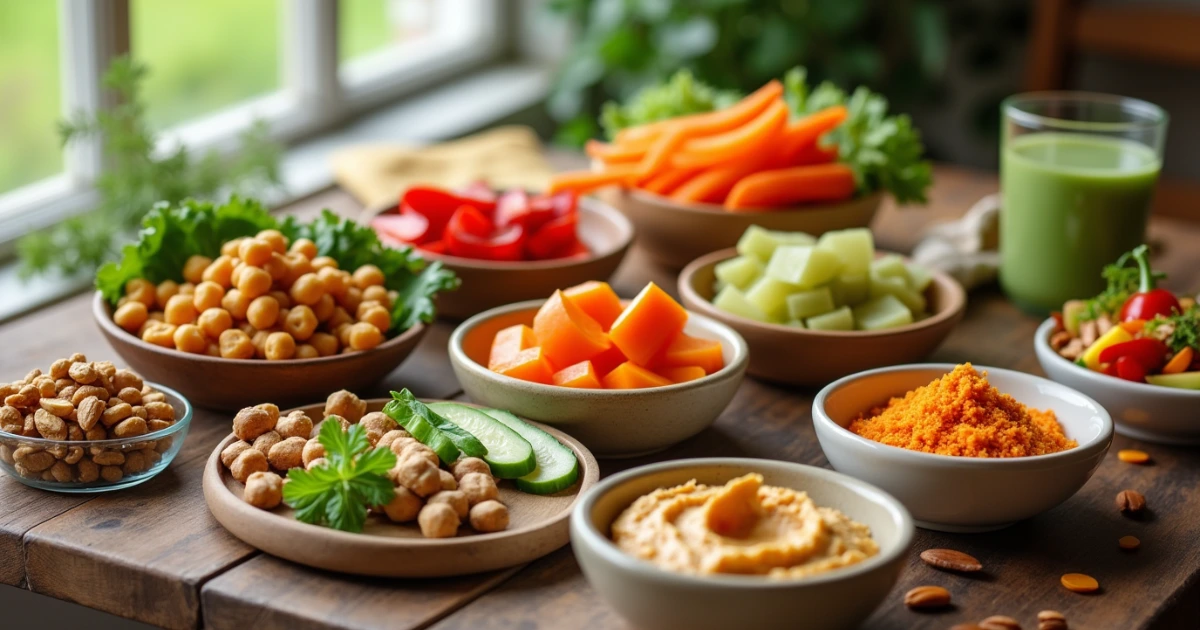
(1077, 174)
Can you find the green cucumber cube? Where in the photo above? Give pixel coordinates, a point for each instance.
(771, 297)
(803, 265)
(793, 238)
(796, 323)
(885, 311)
(849, 289)
(740, 271)
(840, 319)
(805, 304)
(734, 302)
(919, 277)
(897, 287)
(855, 248)
(891, 266)
(758, 242)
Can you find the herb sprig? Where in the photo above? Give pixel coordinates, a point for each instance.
(1185, 329)
(1122, 280)
(337, 494)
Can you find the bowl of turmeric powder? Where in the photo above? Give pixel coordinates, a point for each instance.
(965, 449)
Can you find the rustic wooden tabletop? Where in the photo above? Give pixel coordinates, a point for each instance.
(154, 554)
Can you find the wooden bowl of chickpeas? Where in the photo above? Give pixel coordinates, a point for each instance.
(265, 319)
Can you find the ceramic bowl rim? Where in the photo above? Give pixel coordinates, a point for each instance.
(735, 366)
(1042, 347)
(180, 424)
(102, 312)
(713, 209)
(599, 543)
(586, 204)
(1097, 443)
(956, 298)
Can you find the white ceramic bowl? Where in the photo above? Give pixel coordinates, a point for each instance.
(1141, 411)
(654, 598)
(611, 423)
(962, 494)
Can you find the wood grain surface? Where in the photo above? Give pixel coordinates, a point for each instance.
(154, 554)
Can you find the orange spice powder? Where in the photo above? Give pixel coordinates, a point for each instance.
(962, 414)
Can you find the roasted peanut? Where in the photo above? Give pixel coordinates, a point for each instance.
(111, 474)
(88, 471)
(130, 427)
(33, 458)
(49, 425)
(264, 442)
(116, 413)
(108, 458)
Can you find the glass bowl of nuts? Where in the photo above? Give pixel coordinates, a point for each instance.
(87, 427)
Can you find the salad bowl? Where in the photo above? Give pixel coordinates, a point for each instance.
(1142, 411)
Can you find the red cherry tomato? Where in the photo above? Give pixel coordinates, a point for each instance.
(1129, 369)
(404, 226)
(554, 239)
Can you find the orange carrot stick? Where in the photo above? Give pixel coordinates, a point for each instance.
(613, 153)
(713, 184)
(791, 186)
(734, 144)
(708, 123)
(660, 154)
(802, 132)
(815, 154)
(1179, 362)
(581, 182)
(667, 181)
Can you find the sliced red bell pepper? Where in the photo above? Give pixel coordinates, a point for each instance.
(554, 239)
(433, 247)
(472, 221)
(435, 204)
(481, 195)
(405, 226)
(508, 244)
(1111, 369)
(578, 250)
(564, 203)
(515, 207)
(1150, 353)
(1130, 369)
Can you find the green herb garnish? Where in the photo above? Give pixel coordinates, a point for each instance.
(338, 493)
(1185, 329)
(172, 233)
(444, 437)
(1122, 282)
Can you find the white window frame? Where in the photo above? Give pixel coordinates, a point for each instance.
(316, 94)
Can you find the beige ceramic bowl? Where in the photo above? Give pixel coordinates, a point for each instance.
(612, 423)
(654, 598)
(811, 358)
(676, 233)
(230, 384)
(488, 284)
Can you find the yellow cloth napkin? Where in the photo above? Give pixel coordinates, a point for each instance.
(504, 157)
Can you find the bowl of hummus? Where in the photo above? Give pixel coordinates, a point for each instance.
(731, 543)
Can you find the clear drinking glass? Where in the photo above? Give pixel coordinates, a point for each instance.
(1077, 175)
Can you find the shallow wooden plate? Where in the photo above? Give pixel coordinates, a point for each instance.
(538, 525)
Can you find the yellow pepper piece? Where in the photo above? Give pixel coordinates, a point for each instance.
(1114, 336)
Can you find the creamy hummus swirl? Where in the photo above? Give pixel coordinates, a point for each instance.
(742, 527)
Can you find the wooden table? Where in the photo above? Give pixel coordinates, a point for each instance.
(154, 554)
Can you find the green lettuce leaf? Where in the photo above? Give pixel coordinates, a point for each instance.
(680, 95)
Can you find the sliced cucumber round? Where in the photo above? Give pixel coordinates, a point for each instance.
(508, 454)
(557, 469)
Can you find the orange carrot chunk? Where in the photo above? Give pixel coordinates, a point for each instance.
(681, 374)
(530, 364)
(629, 375)
(508, 342)
(581, 375)
(606, 361)
(567, 334)
(647, 325)
(598, 300)
(790, 186)
(686, 350)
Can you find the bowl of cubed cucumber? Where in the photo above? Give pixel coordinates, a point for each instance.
(813, 310)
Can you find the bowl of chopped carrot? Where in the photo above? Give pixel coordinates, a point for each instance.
(965, 449)
(625, 377)
(781, 158)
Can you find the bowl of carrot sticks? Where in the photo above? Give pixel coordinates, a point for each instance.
(783, 157)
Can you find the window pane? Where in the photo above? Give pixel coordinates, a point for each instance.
(366, 26)
(29, 92)
(204, 54)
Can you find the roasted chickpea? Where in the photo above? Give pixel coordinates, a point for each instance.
(259, 340)
(230, 248)
(236, 275)
(220, 272)
(141, 290)
(454, 499)
(376, 425)
(287, 453)
(307, 289)
(193, 269)
(438, 521)
(340, 316)
(235, 344)
(160, 334)
(379, 294)
(190, 338)
(364, 336)
(297, 265)
(416, 474)
(345, 404)
(404, 506)
(264, 490)
(232, 451)
(306, 351)
(335, 281)
(313, 450)
(276, 239)
(323, 309)
(342, 332)
(180, 310)
(156, 316)
(281, 319)
(489, 516)
(215, 321)
(365, 306)
(469, 465)
(304, 246)
(351, 299)
(249, 462)
(213, 350)
(165, 290)
(187, 288)
(367, 276)
(300, 323)
(208, 295)
(131, 316)
(263, 312)
(254, 282)
(247, 328)
(478, 487)
(378, 317)
(251, 422)
(254, 252)
(325, 343)
(279, 346)
(323, 261)
(236, 303)
(295, 424)
(277, 267)
(391, 436)
(448, 480)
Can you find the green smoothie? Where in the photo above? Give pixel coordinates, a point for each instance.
(1072, 204)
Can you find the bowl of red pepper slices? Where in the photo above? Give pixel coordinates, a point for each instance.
(1135, 348)
(506, 246)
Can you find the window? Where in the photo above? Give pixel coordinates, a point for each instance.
(29, 92)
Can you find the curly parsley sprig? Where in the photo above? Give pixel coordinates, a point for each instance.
(338, 493)
(1185, 329)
